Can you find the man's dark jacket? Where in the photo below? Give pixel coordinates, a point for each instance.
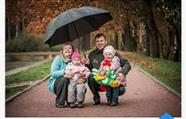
(96, 57)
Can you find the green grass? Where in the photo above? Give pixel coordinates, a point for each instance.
(32, 74)
(168, 72)
(13, 91)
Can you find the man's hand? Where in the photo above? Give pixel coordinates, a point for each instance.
(120, 77)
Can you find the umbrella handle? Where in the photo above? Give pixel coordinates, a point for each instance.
(84, 54)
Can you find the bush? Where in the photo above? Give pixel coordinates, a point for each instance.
(26, 43)
(29, 43)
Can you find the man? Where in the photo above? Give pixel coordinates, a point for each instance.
(95, 59)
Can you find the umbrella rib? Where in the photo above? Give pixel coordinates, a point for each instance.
(76, 33)
(89, 23)
(76, 29)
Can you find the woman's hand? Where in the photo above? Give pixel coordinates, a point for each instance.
(81, 80)
(85, 60)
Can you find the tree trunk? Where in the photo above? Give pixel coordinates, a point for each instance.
(20, 26)
(171, 40)
(166, 44)
(24, 20)
(86, 42)
(178, 45)
(8, 29)
(160, 40)
(17, 29)
(12, 31)
(116, 39)
(144, 45)
(123, 37)
(80, 44)
(153, 39)
(128, 37)
(152, 32)
(76, 43)
(141, 33)
(133, 36)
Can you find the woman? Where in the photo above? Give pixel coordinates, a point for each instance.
(57, 83)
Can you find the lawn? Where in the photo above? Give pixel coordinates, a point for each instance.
(31, 74)
(168, 72)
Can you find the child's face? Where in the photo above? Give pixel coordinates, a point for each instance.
(108, 55)
(76, 61)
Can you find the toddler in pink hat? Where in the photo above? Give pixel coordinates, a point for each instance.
(75, 55)
(76, 88)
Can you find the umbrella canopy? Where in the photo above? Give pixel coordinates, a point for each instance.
(75, 23)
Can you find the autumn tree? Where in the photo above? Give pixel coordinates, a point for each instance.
(152, 27)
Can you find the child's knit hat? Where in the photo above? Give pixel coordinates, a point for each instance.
(109, 49)
(75, 54)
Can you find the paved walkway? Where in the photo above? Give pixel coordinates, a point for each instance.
(144, 98)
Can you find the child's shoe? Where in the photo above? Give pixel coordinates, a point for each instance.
(114, 104)
(80, 105)
(72, 105)
(108, 102)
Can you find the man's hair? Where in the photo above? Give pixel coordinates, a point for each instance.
(100, 35)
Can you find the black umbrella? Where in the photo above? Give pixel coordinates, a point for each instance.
(75, 23)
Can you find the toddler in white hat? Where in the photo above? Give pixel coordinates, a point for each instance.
(110, 62)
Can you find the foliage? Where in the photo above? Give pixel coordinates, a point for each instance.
(25, 43)
(23, 58)
(28, 43)
(155, 39)
(32, 74)
(166, 71)
(171, 11)
(40, 13)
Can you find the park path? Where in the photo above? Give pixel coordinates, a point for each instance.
(144, 98)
